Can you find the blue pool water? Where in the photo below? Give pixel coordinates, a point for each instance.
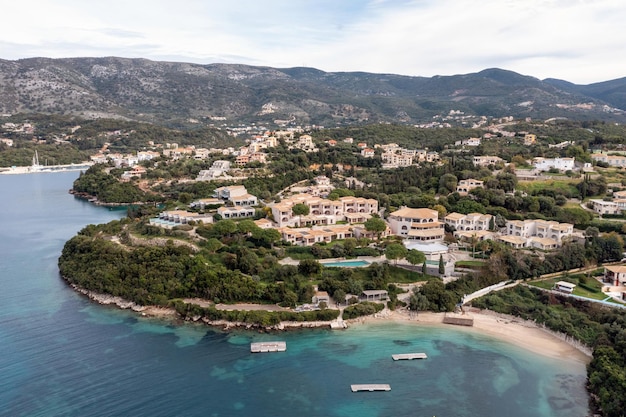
(346, 264)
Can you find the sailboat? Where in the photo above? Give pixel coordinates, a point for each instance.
(35, 166)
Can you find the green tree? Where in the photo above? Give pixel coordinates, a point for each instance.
(309, 267)
(442, 268)
(447, 183)
(396, 251)
(339, 296)
(376, 225)
(225, 227)
(213, 245)
(415, 257)
(418, 301)
(300, 209)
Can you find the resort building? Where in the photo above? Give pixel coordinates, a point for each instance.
(420, 224)
(236, 212)
(615, 275)
(541, 229)
(316, 234)
(465, 186)
(203, 203)
(177, 217)
(323, 211)
(237, 195)
(468, 222)
(516, 242)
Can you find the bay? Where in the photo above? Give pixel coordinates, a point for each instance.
(63, 355)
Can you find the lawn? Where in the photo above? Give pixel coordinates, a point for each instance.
(592, 288)
(566, 185)
(470, 264)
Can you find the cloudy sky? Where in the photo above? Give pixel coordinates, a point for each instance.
(582, 41)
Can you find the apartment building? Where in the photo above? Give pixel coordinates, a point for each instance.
(539, 228)
(323, 211)
(468, 222)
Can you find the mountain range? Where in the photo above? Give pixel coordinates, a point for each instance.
(171, 92)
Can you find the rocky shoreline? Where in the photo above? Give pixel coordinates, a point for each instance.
(171, 314)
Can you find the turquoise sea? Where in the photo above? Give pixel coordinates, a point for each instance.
(62, 355)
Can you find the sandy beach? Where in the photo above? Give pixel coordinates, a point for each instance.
(512, 330)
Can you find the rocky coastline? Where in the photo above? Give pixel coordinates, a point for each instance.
(167, 313)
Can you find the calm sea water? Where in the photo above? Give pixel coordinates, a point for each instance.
(61, 355)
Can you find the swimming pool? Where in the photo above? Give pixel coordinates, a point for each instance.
(347, 264)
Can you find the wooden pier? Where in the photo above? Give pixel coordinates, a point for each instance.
(259, 347)
(370, 387)
(408, 356)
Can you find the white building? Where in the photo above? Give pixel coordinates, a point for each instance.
(416, 224)
(468, 222)
(236, 194)
(218, 169)
(539, 228)
(608, 207)
(545, 164)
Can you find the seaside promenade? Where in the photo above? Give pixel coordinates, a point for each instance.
(46, 168)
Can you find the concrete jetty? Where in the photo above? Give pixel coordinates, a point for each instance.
(259, 347)
(408, 356)
(370, 387)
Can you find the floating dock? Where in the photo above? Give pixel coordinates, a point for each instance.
(408, 356)
(370, 387)
(259, 347)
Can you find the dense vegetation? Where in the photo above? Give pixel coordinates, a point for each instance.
(106, 188)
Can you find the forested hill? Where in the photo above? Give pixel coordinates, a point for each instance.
(169, 91)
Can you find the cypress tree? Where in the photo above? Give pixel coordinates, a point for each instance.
(442, 268)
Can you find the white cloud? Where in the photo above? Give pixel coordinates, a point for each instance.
(576, 40)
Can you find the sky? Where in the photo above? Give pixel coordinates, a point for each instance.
(581, 41)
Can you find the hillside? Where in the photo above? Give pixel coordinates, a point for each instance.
(165, 92)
